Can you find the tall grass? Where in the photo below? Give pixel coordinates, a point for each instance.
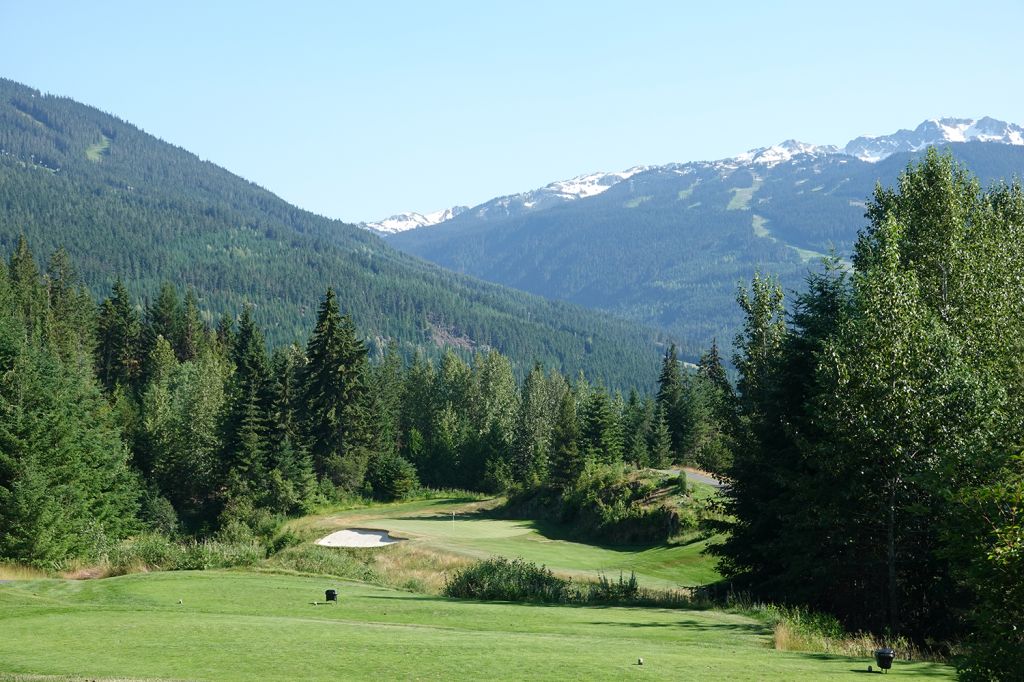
(10, 570)
(797, 628)
(154, 552)
(318, 560)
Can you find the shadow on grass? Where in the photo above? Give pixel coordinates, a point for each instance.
(698, 606)
(689, 624)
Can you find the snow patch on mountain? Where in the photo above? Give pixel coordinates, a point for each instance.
(782, 152)
(933, 132)
(869, 149)
(591, 185)
(410, 221)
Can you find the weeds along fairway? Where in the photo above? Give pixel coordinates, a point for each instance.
(239, 625)
(476, 534)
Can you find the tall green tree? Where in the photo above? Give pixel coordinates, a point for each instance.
(118, 331)
(567, 459)
(670, 399)
(335, 403)
(246, 426)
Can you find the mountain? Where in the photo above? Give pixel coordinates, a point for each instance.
(667, 245)
(580, 187)
(123, 202)
(935, 132)
(930, 133)
(410, 221)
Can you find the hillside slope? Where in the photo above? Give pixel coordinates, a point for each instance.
(122, 201)
(668, 246)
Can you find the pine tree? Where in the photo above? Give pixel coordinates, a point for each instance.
(660, 442)
(291, 467)
(193, 331)
(670, 399)
(118, 332)
(567, 461)
(72, 312)
(30, 298)
(335, 406)
(601, 436)
(246, 422)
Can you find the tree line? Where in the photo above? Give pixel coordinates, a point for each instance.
(120, 417)
(877, 470)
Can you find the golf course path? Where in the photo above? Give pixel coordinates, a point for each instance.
(701, 477)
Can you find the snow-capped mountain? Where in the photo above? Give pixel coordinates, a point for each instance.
(869, 149)
(665, 246)
(410, 221)
(779, 153)
(580, 187)
(932, 132)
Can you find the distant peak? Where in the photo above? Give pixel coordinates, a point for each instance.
(936, 131)
(412, 220)
(784, 151)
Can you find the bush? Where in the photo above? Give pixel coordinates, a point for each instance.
(392, 477)
(607, 504)
(500, 579)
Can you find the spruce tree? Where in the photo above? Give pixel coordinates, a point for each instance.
(567, 461)
(118, 332)
(246, 422)
(670, 399)
(335, 402)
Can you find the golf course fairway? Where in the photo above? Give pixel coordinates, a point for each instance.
(473, 533)
(240, 625)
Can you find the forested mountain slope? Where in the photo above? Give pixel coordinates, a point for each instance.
(123, 202)
(668, 245)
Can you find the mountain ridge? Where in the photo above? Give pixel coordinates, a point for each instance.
(668, 246)
(871, 149)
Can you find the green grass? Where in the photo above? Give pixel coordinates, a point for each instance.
(96, 152)
(758, 223)
(478, 535)
(245, 626)
(741, 196)
(685, 193)
(633, 203)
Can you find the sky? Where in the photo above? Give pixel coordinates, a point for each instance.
(359, 110)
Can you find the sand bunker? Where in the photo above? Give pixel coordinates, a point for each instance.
(358, 537)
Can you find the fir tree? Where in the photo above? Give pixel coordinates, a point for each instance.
(118, 331)
(335, 406)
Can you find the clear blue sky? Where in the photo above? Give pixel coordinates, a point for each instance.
(358, 110)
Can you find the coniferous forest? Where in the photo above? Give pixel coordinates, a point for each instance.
(127, 205)
(871, 446)
(118, 419)
(163, 371)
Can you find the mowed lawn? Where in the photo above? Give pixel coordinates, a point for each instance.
(477, 535)
(235, 625)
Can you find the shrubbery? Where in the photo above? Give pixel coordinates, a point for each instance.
(153, 552)
(608, 504)
(501, 579)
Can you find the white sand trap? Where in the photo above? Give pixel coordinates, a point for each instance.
(358, 537)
